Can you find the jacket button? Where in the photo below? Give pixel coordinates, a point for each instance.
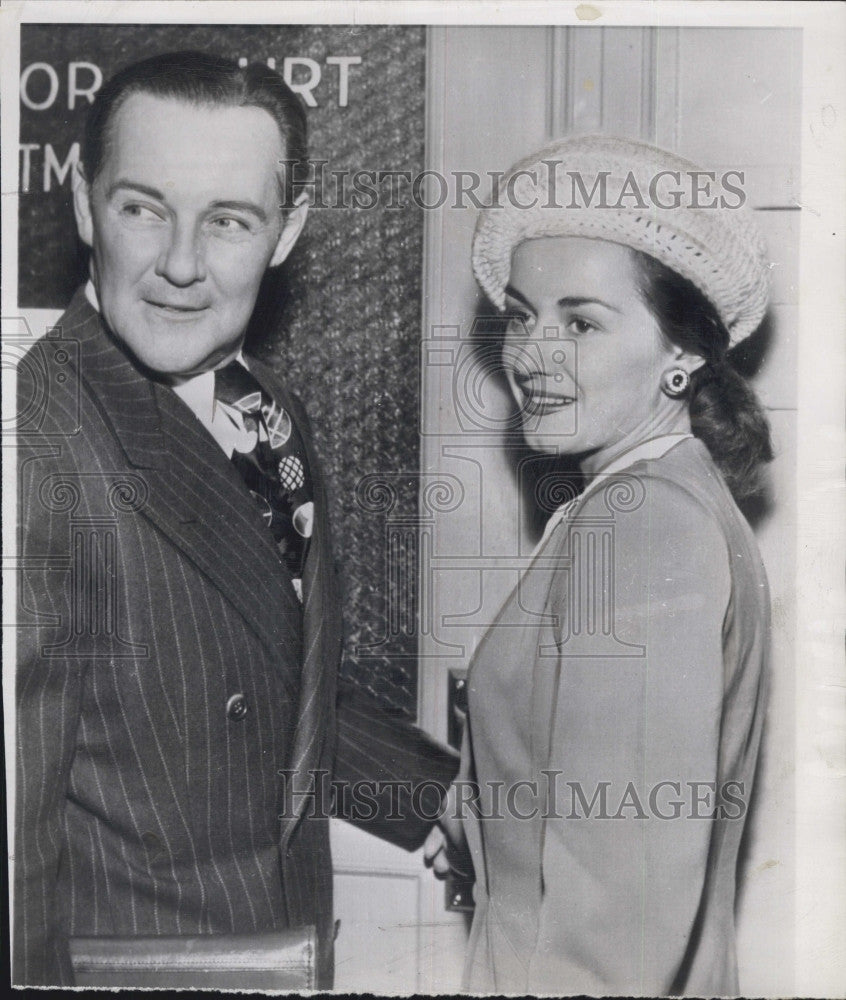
(237, 707)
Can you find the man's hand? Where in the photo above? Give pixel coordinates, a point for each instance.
(445, 850)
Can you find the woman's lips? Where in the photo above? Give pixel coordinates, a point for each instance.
(537, 400)
(539, 405)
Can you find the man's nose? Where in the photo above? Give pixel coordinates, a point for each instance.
(182, 261)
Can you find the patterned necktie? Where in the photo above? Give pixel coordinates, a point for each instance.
(275, 469)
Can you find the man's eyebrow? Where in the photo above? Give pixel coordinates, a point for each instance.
(568, 302)
(241, 206)
(125, 183)
(235, 205)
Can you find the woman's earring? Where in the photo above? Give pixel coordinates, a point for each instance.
(675, 382)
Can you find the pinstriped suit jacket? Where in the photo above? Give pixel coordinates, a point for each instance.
(150, 596)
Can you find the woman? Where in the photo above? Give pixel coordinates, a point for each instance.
(611, 740)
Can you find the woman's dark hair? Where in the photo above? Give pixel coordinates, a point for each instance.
(724, 411)
(203, 79)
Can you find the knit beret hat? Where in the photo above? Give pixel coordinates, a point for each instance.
(628, 192)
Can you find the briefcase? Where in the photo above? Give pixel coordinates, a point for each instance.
(277, 960)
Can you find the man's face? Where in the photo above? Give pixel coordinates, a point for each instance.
(183, 220)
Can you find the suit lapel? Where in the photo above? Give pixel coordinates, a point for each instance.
(195, 496)
(321, 625)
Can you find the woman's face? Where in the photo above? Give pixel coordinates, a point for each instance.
(583, 354)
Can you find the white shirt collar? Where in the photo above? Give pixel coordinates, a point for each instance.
(91, 295)
(197, 392)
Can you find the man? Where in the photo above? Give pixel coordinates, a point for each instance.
(181, 629)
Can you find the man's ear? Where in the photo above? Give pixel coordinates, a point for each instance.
(82, 205)
(294, 222)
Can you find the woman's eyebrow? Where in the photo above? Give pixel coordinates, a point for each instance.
(510, 290)
(568, 302)
(574, 301)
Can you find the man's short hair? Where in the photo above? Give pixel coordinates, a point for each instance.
(205, 80)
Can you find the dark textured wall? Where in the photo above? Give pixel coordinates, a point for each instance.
(340, 319)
